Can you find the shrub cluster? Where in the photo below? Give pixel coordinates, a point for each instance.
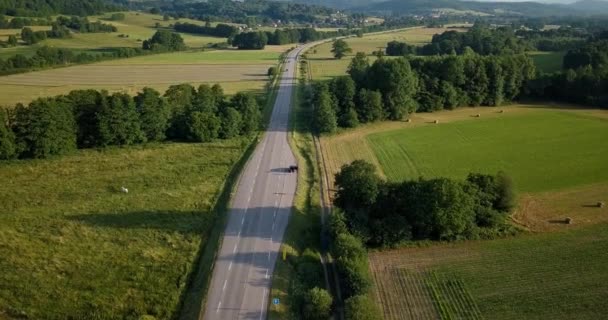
(221, 30)
(387, 214)
(163, 41)
(95, 119)
(83, 25)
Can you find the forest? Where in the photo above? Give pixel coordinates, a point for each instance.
(44, 8)
(96, 119)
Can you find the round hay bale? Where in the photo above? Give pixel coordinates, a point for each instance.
(436, 121)
(477, 115)
(501, 111)
(601, 204)
(408, 120)
(568, 220)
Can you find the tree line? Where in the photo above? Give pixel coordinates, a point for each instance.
(83, 25)
(221, 30)
(259, 39)
(44, 8)
(384, 214)
(46, 57)
(390, 89)
(96, 119)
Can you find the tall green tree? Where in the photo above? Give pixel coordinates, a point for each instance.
(180, 98)
(86, 105)
(398, 84)
(8, 148)
(232, 123)
(357, 69)
(324, 113)
(45, 128)
(12, 40)
(317, 305)
(340, 49)
(154, 114)
(203, 126)
(246, 104)
(370, 106)
(119, 122)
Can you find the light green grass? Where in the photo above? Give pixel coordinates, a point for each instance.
(548, 61)
(72, 245)
(207, 57)
(544, 150)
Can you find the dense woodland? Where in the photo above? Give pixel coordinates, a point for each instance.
(221, 30)
(43, 8)
(393, 88)
(96, 119)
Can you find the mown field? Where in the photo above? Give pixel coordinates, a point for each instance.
(557, 275)
(234, 70)
(74, 246)
(324, 66)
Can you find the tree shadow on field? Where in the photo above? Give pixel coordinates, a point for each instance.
(185, 222)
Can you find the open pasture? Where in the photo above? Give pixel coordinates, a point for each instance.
(74, 246)
(558, 275)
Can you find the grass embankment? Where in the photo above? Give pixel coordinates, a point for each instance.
(560, 275)
(73, 245)
(304, 225)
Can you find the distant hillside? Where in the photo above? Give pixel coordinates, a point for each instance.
(494, 8)
(51, 7)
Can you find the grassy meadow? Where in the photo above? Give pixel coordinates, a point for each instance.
(548, 61)
(74, 246)
(556, 275)
(541, 150)
(324, 66)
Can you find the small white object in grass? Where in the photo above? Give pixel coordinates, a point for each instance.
(124, 190)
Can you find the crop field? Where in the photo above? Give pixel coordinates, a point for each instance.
(74, 246)
(556, 275)
(234, 70)
(324, 66)
(548, 61)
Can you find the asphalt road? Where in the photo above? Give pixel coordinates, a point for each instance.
(257, 219)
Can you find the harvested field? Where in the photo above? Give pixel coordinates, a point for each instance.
(559, 275)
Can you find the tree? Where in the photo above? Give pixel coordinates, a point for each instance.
(361, 307)
(203, 126)
(343, 90)
(506, 197)
(317, 305)
(28, 36)
(12, 40)
(358, 185)
(154, 114)
(398, 84)
(85, 106)
(232, 122)
(370, 106)
(119, 121)
(45, 128)
(246, 104)
(324, 113)
(250, 40)
(180, 99)
(340, 48)
(8, 148)
(357, 69)
(164, 40)
(352, 265)
(272, 72)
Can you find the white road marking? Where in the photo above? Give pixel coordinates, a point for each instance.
(224, 287)
(266, 273)
(230, 266)
(262, 307)
(242, 220)
(218, 307)
(234, 250)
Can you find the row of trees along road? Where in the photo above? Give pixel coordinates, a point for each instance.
(393, 88)
(96, 119)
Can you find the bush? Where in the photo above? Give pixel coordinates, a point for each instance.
(361, 307)
(317, 304)
(7, 138)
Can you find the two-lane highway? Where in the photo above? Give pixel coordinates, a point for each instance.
(257, 218)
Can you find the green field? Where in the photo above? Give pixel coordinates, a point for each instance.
(74, 246)
(559, 275)
(542, 150)
(548, 61)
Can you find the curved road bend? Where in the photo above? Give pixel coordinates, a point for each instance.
(257, 218)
